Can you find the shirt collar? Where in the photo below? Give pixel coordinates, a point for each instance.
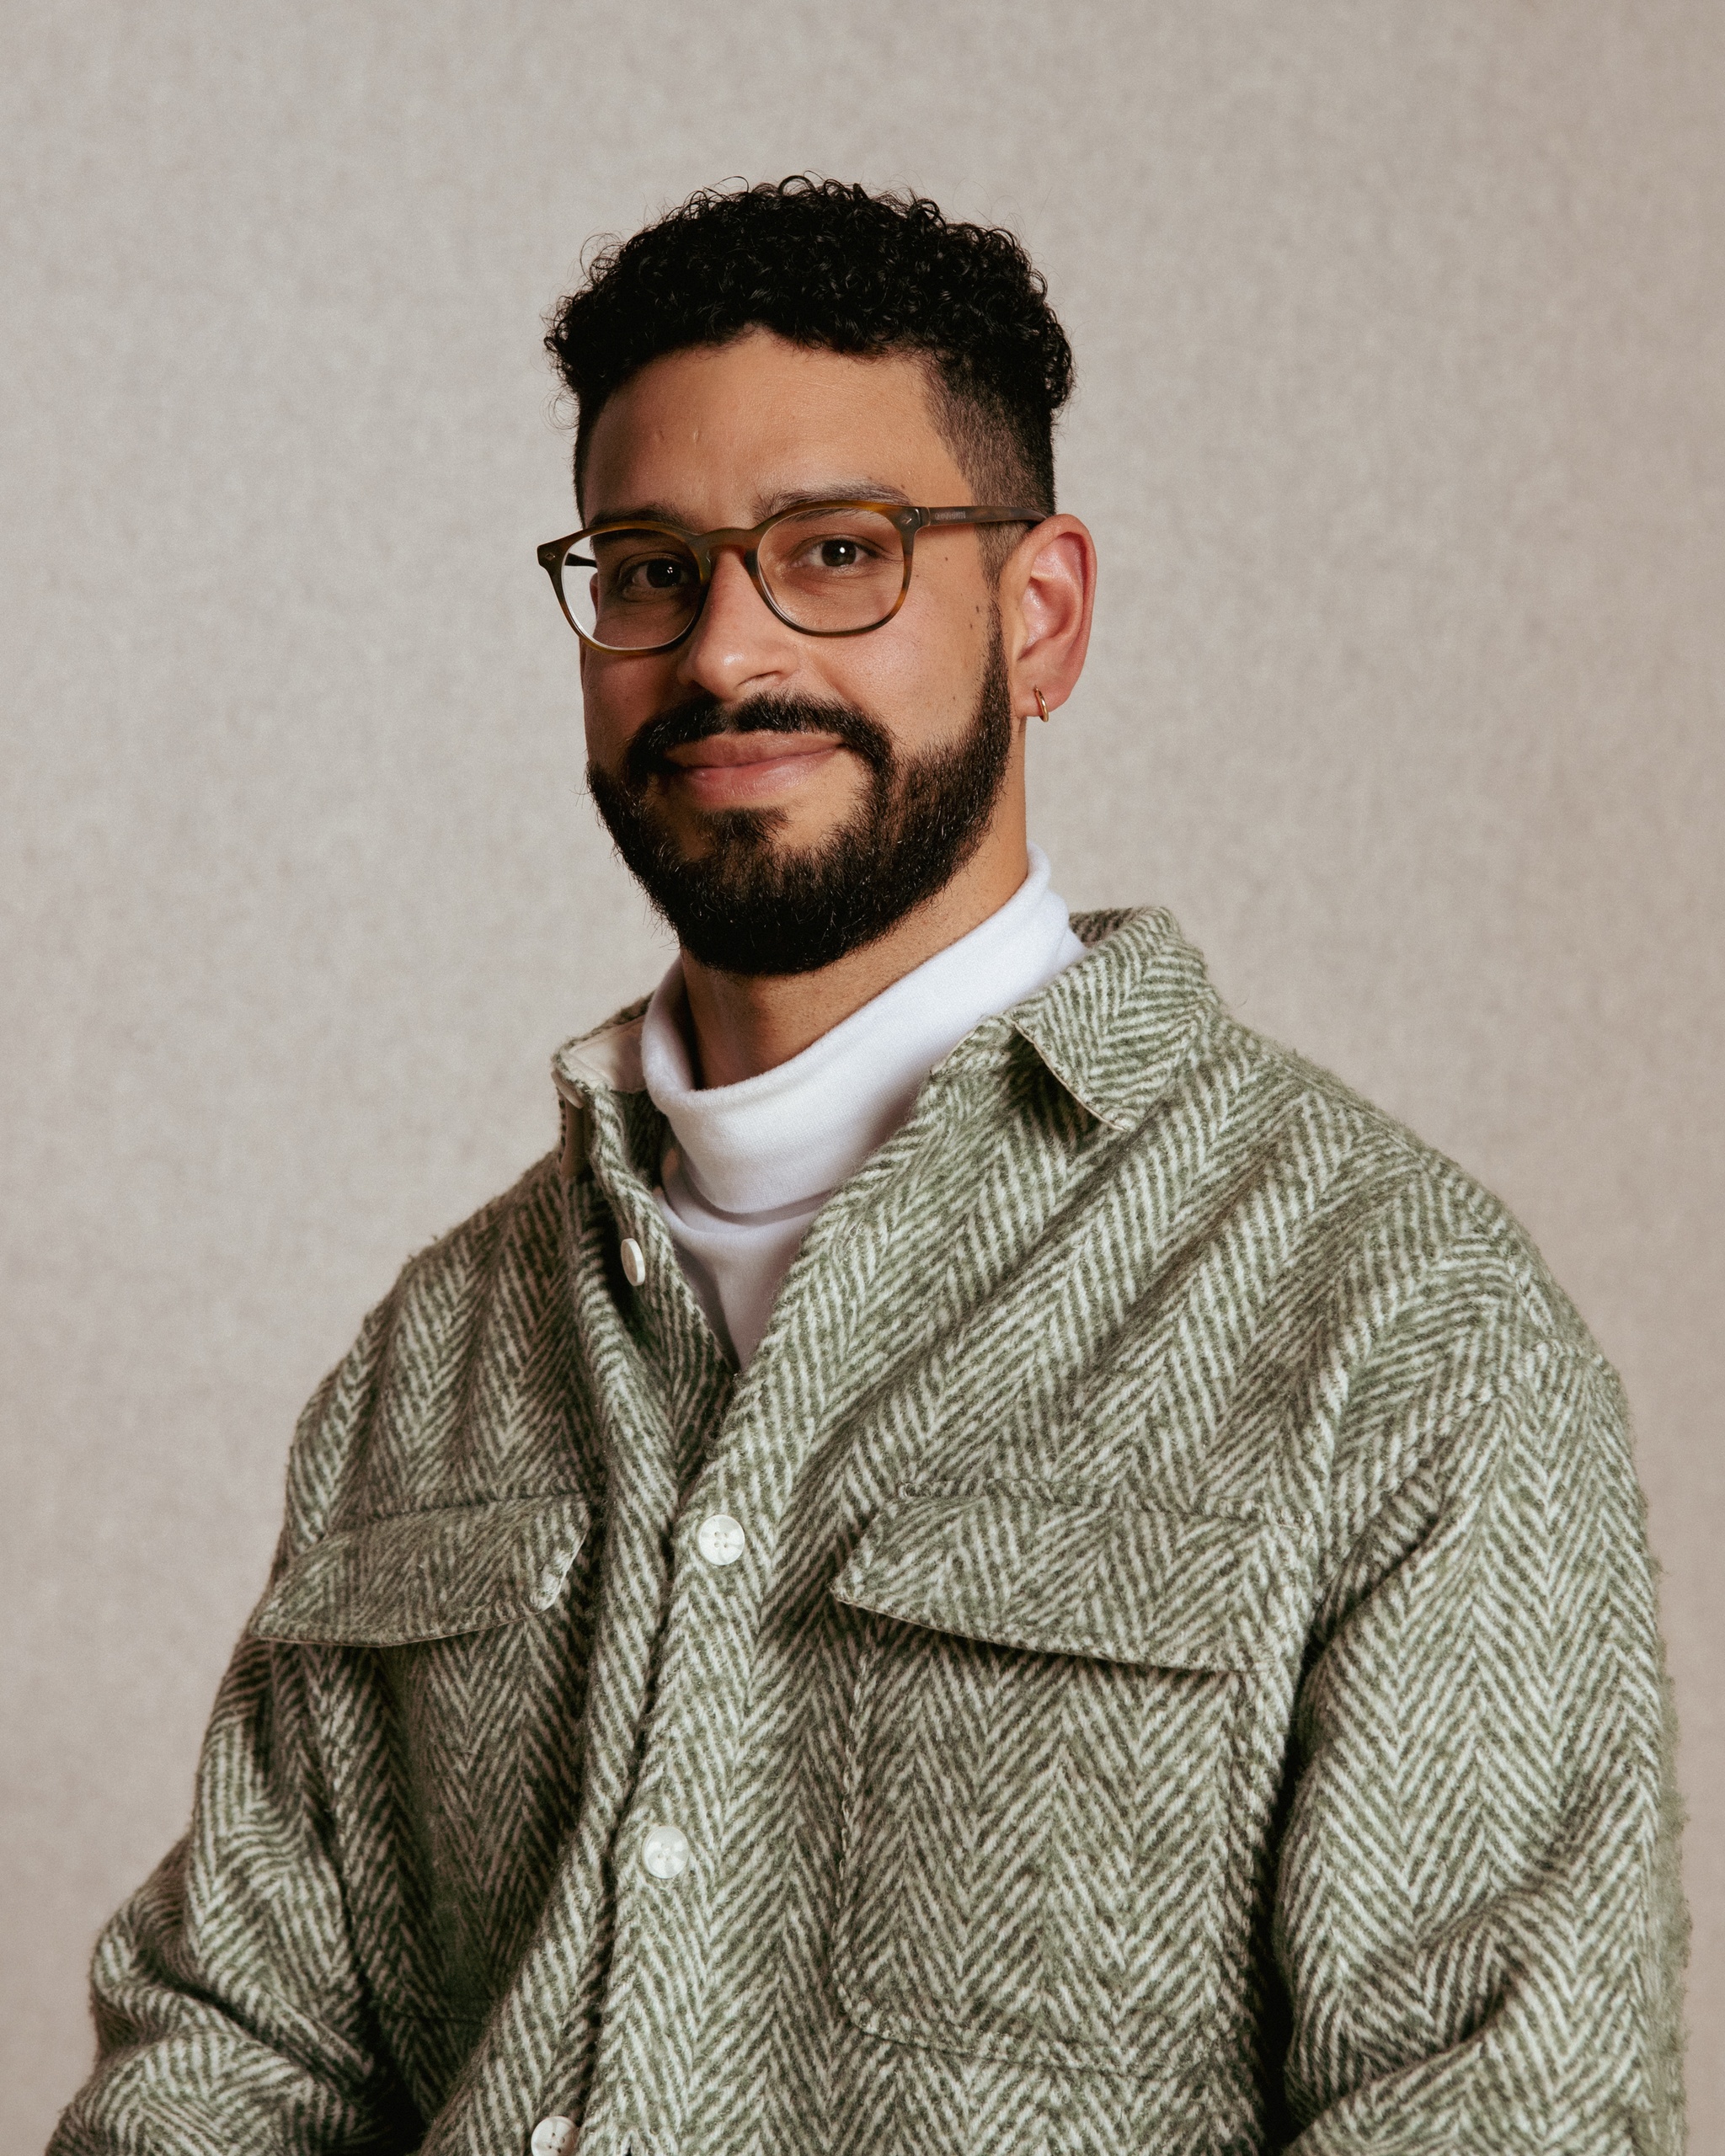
(1112, 1029)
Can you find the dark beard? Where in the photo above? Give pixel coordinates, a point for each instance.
(742, 907)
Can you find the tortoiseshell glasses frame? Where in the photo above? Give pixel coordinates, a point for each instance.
(833, 587)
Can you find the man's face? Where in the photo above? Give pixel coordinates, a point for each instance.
(776, 776)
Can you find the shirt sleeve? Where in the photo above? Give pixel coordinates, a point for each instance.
(230, 2012)
(1477, 1917)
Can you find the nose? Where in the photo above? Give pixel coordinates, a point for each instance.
(738, 647)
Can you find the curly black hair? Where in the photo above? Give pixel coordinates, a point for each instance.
(822, 263)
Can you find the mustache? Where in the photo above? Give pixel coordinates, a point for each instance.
(701, 717)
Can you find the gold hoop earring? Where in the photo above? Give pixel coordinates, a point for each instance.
(1041, 705)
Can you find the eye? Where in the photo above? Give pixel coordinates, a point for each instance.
(649, 575)
(832, 553)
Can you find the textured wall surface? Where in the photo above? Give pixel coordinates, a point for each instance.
(1401, 326)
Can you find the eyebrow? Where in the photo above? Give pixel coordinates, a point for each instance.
(765, 505)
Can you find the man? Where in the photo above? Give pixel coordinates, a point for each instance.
(981, 1561)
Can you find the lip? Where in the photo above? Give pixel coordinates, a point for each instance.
(726, 769)
(759, 748)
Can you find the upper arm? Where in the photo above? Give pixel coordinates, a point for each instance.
(1473, 1918)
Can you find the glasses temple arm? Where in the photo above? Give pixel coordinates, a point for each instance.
(984, 516)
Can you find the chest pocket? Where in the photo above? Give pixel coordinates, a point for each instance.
(446, 1652)
(429, 1575)
(1043, 1858)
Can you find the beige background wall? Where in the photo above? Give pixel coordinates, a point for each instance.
(1402, 332)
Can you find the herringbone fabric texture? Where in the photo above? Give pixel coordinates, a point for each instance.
(1191, 1681)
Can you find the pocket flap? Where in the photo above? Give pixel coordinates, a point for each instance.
(1121, 1582)
(427, 1576)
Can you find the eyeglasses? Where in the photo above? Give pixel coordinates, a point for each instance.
(826, 568)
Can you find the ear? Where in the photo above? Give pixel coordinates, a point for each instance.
(1047, 595)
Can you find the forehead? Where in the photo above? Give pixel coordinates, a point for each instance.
(718, 435)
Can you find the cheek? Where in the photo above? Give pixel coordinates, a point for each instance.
(617, 701)
(920, 672)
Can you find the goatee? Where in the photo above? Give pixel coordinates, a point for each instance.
(744, 906)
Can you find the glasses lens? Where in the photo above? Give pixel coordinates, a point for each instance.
(630, 589)
(834, 568)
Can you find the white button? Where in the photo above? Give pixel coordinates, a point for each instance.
(665, 1851)
(720, 1541)
(551, 1584)
(635, 1261)
(552, 2136)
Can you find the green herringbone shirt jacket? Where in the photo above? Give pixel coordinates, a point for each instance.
(1190, 1683)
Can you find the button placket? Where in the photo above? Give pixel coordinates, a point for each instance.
(667, 1883)
(661, 1417)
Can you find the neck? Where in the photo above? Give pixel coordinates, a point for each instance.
(746, 1024)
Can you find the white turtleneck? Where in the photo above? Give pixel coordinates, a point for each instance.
(746, 1167)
